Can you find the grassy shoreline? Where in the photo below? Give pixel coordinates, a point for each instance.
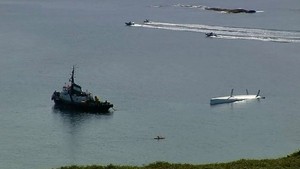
(290, 162)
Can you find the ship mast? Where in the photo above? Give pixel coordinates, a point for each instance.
(72, 84)
(72, 77)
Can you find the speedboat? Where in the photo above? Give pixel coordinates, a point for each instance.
(211, 34)
(234, 98)
(129, 23)
(146, 21)
(159, 137)
(74, 98)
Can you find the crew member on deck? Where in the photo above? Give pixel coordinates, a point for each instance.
(97, 99)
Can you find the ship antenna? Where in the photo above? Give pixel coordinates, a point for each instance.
(72, 76)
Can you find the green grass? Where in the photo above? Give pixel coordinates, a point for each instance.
(290, 162)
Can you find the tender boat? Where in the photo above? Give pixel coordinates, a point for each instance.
(159, 137)
(129, 23)
(74, 98)
(211, 34)
(232, 98)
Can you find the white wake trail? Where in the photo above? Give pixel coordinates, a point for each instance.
(227, 32)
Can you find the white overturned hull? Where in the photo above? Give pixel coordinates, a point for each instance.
(231, 99)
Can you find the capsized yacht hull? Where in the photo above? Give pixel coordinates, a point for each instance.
(234, 98)
(231, 99)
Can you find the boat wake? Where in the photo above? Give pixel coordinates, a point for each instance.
(191, 6)
(226, 32)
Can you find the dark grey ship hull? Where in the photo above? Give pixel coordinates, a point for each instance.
(101, 107)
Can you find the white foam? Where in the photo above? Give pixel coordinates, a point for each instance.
(227, 32)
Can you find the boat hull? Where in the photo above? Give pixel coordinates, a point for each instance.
(102, 107)
(215, 101)
(231, 99)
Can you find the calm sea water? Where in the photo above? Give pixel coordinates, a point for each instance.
(160, 78)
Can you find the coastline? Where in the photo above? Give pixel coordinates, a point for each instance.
(291, 161)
